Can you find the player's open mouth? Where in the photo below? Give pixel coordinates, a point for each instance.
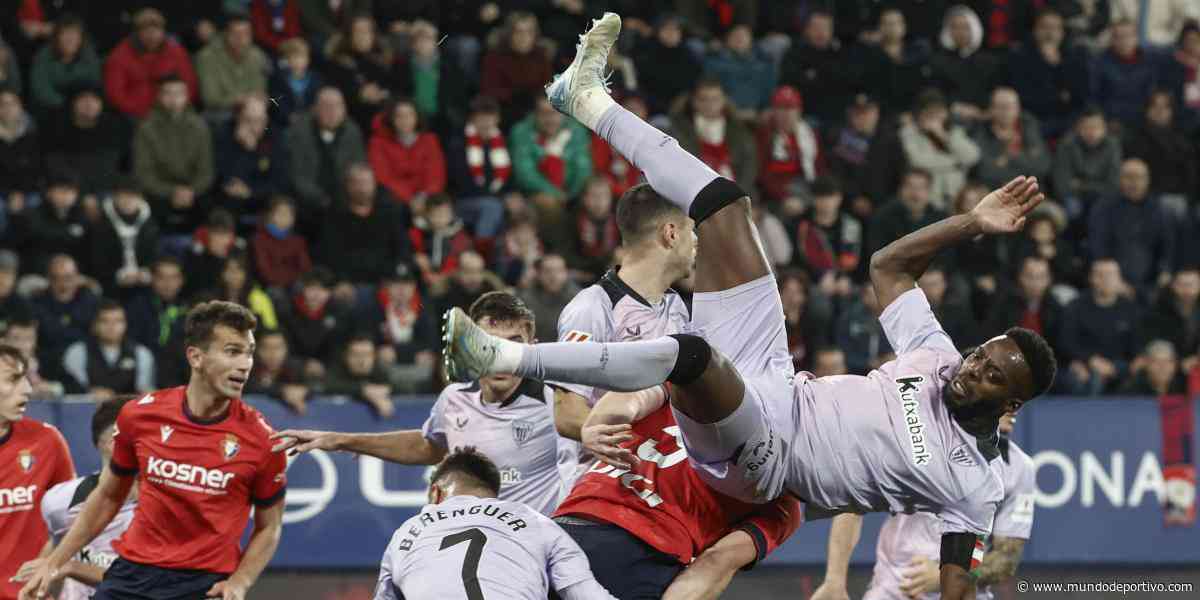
(237, 380)
(958, 388)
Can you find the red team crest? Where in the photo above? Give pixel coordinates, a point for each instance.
(25, 460)
(230, 446)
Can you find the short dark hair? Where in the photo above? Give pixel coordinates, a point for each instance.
(221, 219)
(927, 99)
(203, 318)
(278, 201)
(484, 104)
(106, 305)
(166, 260)
(357, 338)
(316, 276)
(469, 462)
(825, 186)
(1038, 355)
(13, 354)
(106, 415)
(502, 307)
(707, 81)
(1091, 110)
(919, 172)
(438, 199)
(640, 211)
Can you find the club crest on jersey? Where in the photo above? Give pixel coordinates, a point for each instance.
(962, 456)
(165, 432)
(230, 446)
(576, 336)
(522, 431)
(25, 460)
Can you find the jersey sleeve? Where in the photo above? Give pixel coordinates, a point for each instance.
(434, 428)
(909, 324)
(771, 525)
(385, 587)
(64, 467)
(584, 319)
(54, 510)
(1014, 518)
(566, 563)
(124, 459)
(975, 512)
(270, 483)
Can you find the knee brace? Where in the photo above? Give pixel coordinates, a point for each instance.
(718, 194)
(694, 356)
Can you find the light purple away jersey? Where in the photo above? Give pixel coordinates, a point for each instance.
(905, 537)
(537, 466)
(886, 441)
(60, 507)
(611, 311)
(505, 550)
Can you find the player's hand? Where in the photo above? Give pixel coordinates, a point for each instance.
(829, 590)
(227, 590)
(1004, 209)
(27, 570)
(605, 441)
(38, 585)
(295, 441)
(920, 577)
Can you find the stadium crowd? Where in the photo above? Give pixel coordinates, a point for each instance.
(348, 169)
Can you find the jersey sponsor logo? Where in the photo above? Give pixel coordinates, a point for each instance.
(576, 336)
(98, 558)
(522, 432)
(510, 476)
(17, 499)
(147, 399)
(26, 460)
(961, 455)
(188, 477)
(910, 390)
(230, 446)
(165, 432)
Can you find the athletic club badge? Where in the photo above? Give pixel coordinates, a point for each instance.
(522, 431)
(230, 446)
(25, 460)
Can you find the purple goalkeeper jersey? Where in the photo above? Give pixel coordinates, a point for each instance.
(887, 441)
(907, 537)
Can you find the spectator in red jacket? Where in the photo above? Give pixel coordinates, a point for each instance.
(138, 63)
(516, 70)
(280, 254)
(789, 151)
(275, 21)
(407, 161)
(617, 169)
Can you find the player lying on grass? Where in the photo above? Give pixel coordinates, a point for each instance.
(466, 543)
(915, 435)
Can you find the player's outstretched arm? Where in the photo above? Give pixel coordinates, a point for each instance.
(407, 447)
(843, 537)
(98, 511)
(610, 423)
(268, 526)
(1001, 560)
(570, 413)
(896, 267)
(708, 576)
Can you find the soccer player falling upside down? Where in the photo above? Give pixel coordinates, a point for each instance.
(917, 434)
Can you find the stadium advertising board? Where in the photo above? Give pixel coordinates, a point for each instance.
(1100, 487)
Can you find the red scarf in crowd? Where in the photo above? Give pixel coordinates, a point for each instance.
(552, 166)
(399, 317)
(1179, 453)
(495, 151)
(312, 313)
